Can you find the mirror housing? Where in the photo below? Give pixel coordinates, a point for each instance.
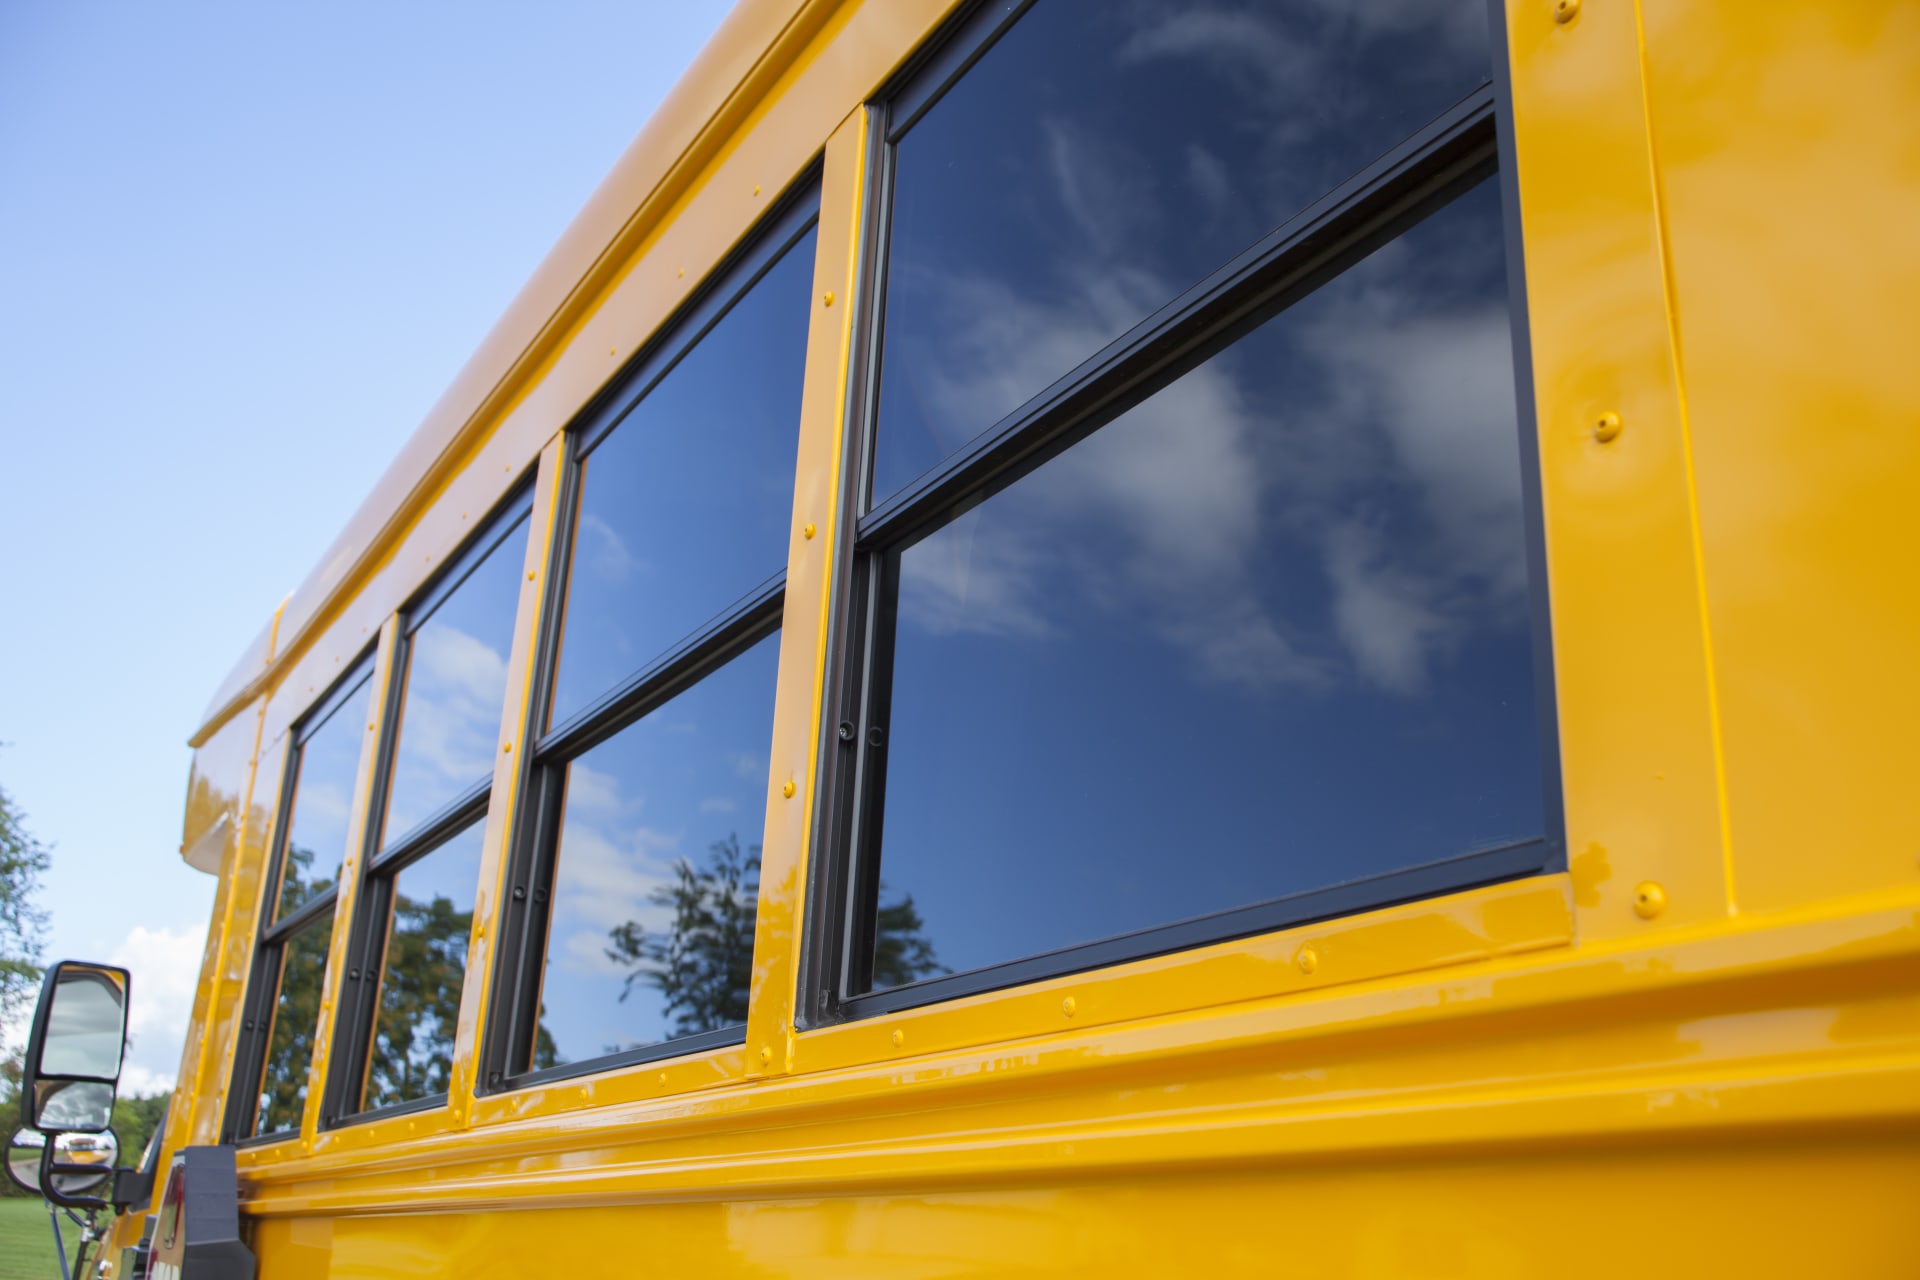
(74, 1052)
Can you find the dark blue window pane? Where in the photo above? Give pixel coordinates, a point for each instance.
(684, 508)
(323, 802)
(424, 971)
(1267, 632)
(1103, 156)
(655, 882)
(456, 690)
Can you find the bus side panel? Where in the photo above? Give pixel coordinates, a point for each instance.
(1774, 1209)
(1787, 142)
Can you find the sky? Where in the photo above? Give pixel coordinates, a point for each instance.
(243, 249)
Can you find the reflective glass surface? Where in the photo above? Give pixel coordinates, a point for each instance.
(86, 1027)
(456, 689)
(296, 1014)
(684, 508)
(1267, 632)
(1101, 157)
(323, 802)
(656, 880)
(426, 963)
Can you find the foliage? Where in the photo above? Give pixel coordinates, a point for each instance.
(426, 965)
(702, 964)
(134, 1121)
(22, 860)
(296, 1013)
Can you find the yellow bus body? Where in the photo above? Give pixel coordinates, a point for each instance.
(1694, 1052)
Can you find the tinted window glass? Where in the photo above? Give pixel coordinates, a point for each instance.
(323, 802)
(655, 885)
(455, 691)
(1103, 156)
(684, 507)
(296, 1012)
(425, 967)
(1267, 632)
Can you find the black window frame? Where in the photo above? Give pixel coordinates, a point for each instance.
(258, 1006)
(513, 1017)
(382, 860)
(1466, 145)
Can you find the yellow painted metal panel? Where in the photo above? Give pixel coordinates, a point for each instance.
(1788, 141)
(803, 635)
(1637, 733)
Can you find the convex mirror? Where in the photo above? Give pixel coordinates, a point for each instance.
(73, 1054)
(81, 1161)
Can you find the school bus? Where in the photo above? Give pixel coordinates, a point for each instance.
(1124, 639)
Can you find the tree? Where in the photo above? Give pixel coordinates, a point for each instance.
(426, 967)
(22, 860)
(134, 1122)
(702, 964)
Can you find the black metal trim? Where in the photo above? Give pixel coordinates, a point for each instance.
(1532, 503)
(412, 1106)
(699, 1042)
(1370, 893)
(430, 832)
(948, 55)
(494, 529)
(744, 623)
(302, 917)
(1452, 153)
(794, 214)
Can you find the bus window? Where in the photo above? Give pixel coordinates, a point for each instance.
(1249, 638)
(415, 909)
(290, 959)
(649, 783)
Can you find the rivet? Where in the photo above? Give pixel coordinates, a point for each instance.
(613, 351)
(529, 575)
(1308, 959)
(808, 532)
(369, 724)
(787, 789)
(899, 1038)
(1649, 899)
(505, 748)
(663, 1079)
(681, 274)
(1564, 10)
(1067, 1006)
(756, 188)
(1607, 428)
(766, 1054)
(826, 299)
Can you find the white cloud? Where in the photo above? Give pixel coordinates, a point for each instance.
(165, 964)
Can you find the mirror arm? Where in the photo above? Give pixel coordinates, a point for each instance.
(51, 1190)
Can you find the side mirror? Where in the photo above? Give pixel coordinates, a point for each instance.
(73, 1054)
(78, 1163)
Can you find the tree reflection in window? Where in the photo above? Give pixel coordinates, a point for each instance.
(702, 963)
(303, 969)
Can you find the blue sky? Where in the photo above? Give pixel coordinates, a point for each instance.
(243, 248)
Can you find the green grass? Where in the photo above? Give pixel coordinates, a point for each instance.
(26, 1243)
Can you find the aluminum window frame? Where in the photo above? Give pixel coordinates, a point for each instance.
(382, 860)
(266, 970)
(513, 1017)
(1468, 144)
